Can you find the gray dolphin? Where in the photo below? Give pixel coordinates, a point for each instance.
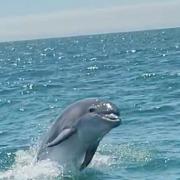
(73, 139)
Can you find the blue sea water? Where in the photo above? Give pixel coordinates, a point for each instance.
(138, 71)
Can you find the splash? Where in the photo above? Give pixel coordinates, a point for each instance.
(127, 154)
(107, 159)
(24, 168)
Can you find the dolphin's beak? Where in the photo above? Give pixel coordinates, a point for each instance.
(113, 118)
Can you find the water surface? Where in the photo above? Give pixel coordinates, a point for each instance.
(138, 71)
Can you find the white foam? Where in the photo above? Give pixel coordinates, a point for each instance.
(101, 161)
(24, 168)
(107, 158)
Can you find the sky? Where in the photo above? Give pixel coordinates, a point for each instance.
(34, 19)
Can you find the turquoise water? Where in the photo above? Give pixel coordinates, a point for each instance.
(138, 71)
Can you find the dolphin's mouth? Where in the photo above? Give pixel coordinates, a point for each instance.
(111, 117)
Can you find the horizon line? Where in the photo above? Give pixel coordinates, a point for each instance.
(93, 34)
(126, 18)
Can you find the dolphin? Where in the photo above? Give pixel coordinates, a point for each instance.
(74, 137)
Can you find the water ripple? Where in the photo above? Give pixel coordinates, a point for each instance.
(39, 78)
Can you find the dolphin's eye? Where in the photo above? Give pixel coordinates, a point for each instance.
(92, 109)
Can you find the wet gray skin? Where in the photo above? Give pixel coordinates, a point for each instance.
(73, 139)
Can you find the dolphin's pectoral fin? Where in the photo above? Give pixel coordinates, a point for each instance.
(89, 155)
(65, 134)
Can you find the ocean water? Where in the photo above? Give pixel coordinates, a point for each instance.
(138, 71)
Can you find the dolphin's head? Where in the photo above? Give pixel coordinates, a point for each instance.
(106, 112)
(99, 118)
